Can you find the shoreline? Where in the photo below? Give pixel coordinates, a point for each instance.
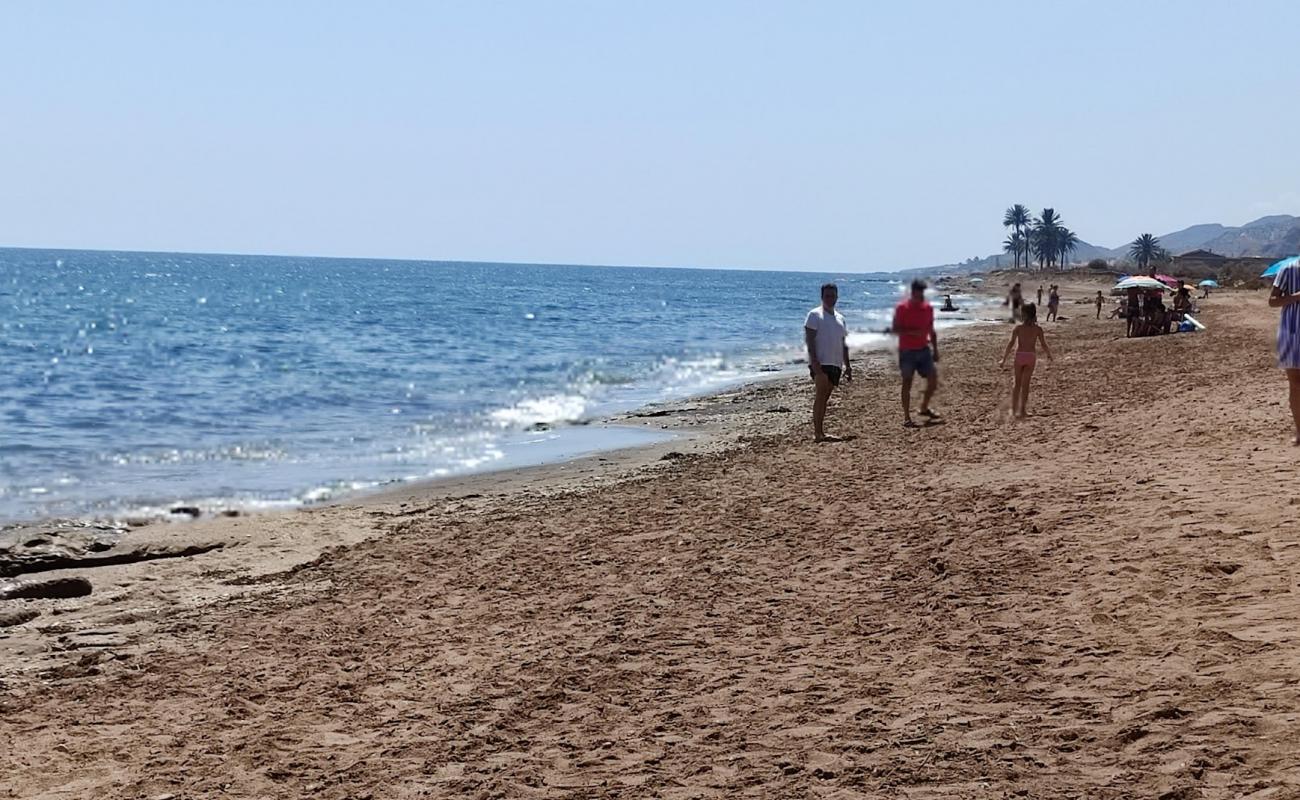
(214, 559)
(697, 424)
(596, 437)
(174, 569)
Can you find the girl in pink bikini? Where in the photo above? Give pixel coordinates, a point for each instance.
(1025, 339)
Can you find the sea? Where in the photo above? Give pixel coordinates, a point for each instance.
(134, 383)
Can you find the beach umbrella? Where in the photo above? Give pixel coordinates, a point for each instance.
(1140, 282)
(1169, 280)
(976, 280)
(1212, 284)
(1280, 265)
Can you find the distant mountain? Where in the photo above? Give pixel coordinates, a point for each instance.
(1272, 236)
(1276, 219)
(1192, 238)
(1087, 252)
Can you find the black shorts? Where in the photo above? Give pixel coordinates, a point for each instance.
(831, 372)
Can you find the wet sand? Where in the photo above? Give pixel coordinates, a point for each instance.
(1099, 601)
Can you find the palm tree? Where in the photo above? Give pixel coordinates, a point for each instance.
(1011, 245)
(1046, 237)
(1067, 241)
(1044, 247)
(1145, 249)
(1019, 218)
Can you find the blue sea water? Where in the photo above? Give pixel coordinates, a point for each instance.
(136, 381)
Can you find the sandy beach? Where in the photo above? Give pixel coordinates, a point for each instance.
(1097, 602)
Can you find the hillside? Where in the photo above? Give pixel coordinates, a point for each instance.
(1191, 238)
(1272, 236)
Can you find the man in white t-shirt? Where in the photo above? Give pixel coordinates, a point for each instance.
(828, 355)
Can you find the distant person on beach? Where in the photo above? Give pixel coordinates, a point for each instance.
(1286, 296)
(1025, 338)
(1134, 317)
(1015, 300)
(1053, 303)
(1040, 294)
(1100, 301)
(828, 355)
(914, 325)
(947, 304)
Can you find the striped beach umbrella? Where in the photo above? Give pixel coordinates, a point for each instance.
(1141, 282)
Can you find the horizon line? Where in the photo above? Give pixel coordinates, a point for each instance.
(459, 261)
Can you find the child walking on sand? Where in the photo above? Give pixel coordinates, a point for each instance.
(1025, 338)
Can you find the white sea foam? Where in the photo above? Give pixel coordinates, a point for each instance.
(221, 454)
(867, 340)
(535, 411)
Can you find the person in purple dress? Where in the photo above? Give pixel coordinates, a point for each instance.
(1286, 296)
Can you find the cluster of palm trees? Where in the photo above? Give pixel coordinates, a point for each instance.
(1045, 238)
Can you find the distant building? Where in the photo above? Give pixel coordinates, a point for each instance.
(1207, 263)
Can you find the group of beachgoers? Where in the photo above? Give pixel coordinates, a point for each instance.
(1016, 300)
(1146, 314)
(918, 344)
(826, 334)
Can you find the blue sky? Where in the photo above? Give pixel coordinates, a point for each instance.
(825, 135)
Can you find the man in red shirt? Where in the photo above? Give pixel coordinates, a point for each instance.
(914, 325)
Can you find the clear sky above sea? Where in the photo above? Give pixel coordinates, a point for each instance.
(846, 136)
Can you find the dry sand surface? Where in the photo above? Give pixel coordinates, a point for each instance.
(1097, 602)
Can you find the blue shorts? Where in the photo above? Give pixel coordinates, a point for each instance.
(916, 361)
